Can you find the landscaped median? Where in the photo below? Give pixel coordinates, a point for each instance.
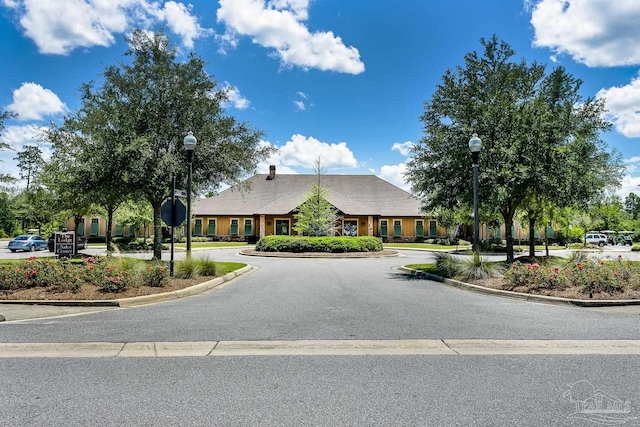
(112, 281)
(530, 272)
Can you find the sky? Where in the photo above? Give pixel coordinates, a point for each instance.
(343, 81)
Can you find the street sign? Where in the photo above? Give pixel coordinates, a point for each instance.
(179, 193)
(64, 244)
(167, 215)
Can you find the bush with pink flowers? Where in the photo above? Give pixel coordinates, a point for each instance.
(590, 276)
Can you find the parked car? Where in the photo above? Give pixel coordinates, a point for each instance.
(596, 239)
(625, 238)
(81, 242)
(27, 242)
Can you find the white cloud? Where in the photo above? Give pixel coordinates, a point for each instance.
(278, 25)
(235, 99)
(623, 104)
(59, 27)
(182, 22)
(32, 102)
(300, 105)
(304, 152)
(593, 32)
(303, 95)
(17, 137)
(395, 175)
(629, 184)
(274, 159)
(226, 41)
(403, 148)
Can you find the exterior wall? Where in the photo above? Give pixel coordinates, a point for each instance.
(408, 229)
(223, 227)
(102, 227)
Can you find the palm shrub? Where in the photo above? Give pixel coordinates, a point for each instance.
(187, 268)
(206, 267)
(446, 265)
(475, 268)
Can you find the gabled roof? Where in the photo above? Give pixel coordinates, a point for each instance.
(351, 194)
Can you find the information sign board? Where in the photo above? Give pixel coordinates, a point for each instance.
(65, 244)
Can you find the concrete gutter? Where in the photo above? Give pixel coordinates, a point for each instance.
(518, 295)
(145, 299)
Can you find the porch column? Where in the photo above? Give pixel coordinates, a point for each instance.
(370, 226)
(262, 226)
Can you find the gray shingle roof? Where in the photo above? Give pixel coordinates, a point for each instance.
(351, 194)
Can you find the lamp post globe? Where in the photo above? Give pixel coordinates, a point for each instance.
(190, 142)
(475, 144)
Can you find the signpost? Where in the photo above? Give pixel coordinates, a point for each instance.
(173, 213)
(64, 244)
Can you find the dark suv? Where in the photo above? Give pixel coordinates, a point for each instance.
(81, 242)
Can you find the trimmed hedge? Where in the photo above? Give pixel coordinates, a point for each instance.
(318, 244)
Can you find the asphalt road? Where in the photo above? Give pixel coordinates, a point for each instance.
(323, 299)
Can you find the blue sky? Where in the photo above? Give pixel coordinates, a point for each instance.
(341, 80)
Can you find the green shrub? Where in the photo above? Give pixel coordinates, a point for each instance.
(206, 267)
(590, 275)
(156, 275)
(112, 274)
(187, 268)
(476, 268)
(446, 265)
(319, 244)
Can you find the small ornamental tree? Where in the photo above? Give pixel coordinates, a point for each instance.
(316, 216)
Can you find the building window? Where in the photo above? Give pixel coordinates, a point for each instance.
(248, 227)
(433, 229)
(198, 228)
(397, 228)
(350, 227)
(211, 228)
(384, 228)
(233, 229)
(282, 227)
(94, 228)
(419, 228)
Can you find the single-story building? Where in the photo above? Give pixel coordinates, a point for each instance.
(366, 205)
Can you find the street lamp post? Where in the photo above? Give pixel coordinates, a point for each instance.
(190, 145)
(475, 144)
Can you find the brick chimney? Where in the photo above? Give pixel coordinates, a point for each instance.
(272, 172)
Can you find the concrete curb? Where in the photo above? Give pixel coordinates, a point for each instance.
(520, 296)
(145, 299)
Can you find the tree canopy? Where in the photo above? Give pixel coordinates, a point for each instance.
(539, 137)
(136, 120)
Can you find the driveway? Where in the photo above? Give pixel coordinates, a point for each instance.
(322, 342)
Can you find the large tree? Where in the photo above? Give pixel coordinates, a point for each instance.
(539, 136)
(30, 163)
(144, 108)
(5, 178)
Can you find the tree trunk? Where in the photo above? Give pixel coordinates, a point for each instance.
(546, 243)
(507, 216)
(532, 239)
(108, 236)
(157, 232)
